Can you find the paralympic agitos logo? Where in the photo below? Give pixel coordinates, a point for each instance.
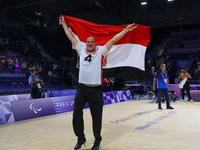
(35, 110)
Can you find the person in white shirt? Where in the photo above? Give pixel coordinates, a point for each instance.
(89, 88)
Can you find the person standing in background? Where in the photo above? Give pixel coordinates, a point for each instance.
(162, 79)
(151, 77)
(186, 86)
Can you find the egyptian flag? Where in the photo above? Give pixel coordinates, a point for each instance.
(126, 59)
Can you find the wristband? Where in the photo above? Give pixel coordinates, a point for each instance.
(126, 30)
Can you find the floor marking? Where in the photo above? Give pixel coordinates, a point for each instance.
(131, 117)
(155, 121)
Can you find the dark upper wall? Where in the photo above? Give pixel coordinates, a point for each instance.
(157, 13)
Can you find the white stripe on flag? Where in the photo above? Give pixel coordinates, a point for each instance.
(124, 55)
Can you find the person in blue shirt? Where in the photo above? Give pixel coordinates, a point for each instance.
(162, 79)
(36, 85)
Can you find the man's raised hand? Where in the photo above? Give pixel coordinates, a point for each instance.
(68, 33)
(61, 20)
(130, 27)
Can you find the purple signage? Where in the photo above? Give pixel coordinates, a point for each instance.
(63, 104)
(124, 95)
(32, 108)
(66, 103)
(14, 108)
(59, 93)
(110, 98)
(17, 97)
(175, 88)
(6, 113)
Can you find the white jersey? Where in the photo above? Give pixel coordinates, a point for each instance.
(90, 71)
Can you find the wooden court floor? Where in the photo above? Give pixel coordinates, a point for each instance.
(133, 125)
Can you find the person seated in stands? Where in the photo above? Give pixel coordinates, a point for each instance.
(17, 66)
(106, 84)
(31, 69)
(36, 85)
(2, 62)
(10, 64)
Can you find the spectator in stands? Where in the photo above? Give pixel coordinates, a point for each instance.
(10, 64)
(31, 69)
(106, 84)
(17, 66)
(36, 85)
(111, 83)
(2, 60)
(162, 78)
(186, 86)
(36, 65)
(23, 69)
(1, 65)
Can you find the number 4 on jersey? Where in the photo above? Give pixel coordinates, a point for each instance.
(88, 58)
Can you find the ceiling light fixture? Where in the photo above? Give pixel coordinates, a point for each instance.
(143, 3)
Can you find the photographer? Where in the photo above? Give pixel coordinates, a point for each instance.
(36, 85)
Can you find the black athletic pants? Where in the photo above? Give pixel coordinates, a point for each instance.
(34, 93)
(187, 88)
(94, 97)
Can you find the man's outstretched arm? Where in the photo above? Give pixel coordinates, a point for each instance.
(118, 36)
(154, 84)
(69, 34)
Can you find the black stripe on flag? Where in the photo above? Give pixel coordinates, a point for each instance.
(125, 73)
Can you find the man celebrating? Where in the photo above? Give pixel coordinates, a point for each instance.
(89, 88)
(162, 84)
(186, 86)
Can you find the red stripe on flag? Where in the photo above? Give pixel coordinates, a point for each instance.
(103, 33)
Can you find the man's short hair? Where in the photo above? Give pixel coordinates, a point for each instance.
(163, 64)
(91, 37)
